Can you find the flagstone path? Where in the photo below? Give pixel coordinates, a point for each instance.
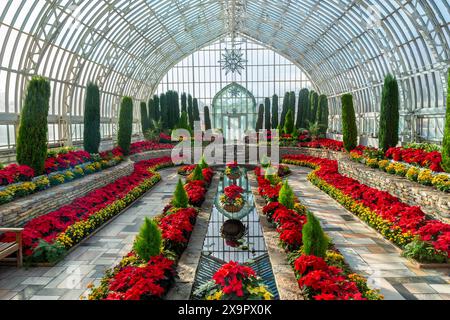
(367, 252)
(68, 280)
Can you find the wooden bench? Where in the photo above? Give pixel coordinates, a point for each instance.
(7, 249)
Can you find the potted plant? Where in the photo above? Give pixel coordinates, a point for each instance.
(232, 171)
(232, 199)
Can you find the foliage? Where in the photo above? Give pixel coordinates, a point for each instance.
(180, 197)
(314, 106)
(184, 122)
(46, 252)
(286, 104)
(260, 119)
(149, 240)
(268, 123)
(207, 116)
(91, 135)
(32, 138)
(275, 112)
(197, 175)
(423, 251)
(145, 124)
(446, 142)
(322, 114)
(315, 242)
(389, 115)
(349, 128)
(164, 111)
(184, 102)
(125, 124)
(191, 111)
(289, 123)
(203, 164)
(287, 196)
(303, 108)
(196, 110)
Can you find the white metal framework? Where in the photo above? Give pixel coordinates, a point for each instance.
(127, 46)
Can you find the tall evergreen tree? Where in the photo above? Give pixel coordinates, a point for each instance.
(289, 123)
(207, 119)
(144, 118)
(314, 105)
(390, 114)
(92, 137)
(184, 102)
(32, 138)
(191, 111)
(286, 106)
(275, 111)
(196, 111)
(446, 142)
(349, 128)
(157, 107)
(164, 111)
(303, 102)
(322, 114)
(125, 124)
(260, 121)
(292, 100)
(183, 123)
(267, 115)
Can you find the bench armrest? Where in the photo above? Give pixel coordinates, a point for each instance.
(14, 230)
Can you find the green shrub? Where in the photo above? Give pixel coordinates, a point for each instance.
(289, 123)
(32, 138)
(153, 111)
(446, 142)
(260, 120)
(164, 112)
(286, 107)
(180, 197)
(314, 106)
(197, 175)
(196, 110)
(275, 112)
(148, 241)
(208, 125)
(125, 124)
(268, 124)
(349, 129)
(322, 114)
(92, 137)
(389, 115)
(184, 102)
(191, 111)
(424, 252)
(47, 252)
(272, 175)
(145, 124)
(287, 196)
(303, 108)
(184, 122)
(203, 164)
(315, 242)
(292, 102)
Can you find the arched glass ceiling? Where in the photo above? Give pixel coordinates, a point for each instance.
(127, 46)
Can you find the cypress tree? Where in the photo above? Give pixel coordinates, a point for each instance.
(197, 175)
(286, 106)
(303, 102)
(125, 124)
(32, 138)
(151, 112)
(92, 137)
(292, 99)
(275, 112)
(191, 111)
(287, 196)
(349, 128)
(446, 142)
(184, 102)
(183, 123)
(149, 240)
(176, 110)
(390, 115)
(180, 198)
(144, 118)
(289, 124)
(315, 242)
(322, 114)
(164, 111)
(260, 121)
(196, 111)
(314, 106)
(268, 125)
(157, 107)
(207, 119)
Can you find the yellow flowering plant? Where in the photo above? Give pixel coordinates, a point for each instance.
(425, 177)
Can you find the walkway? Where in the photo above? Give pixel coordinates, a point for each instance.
(69, 279)
(367, 252)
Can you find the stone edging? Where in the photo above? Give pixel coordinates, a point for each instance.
(286, 282)
(188, 263)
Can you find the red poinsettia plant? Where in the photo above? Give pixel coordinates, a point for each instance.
(418, 157)
(15, 173)
(144, 146)
(324, 144)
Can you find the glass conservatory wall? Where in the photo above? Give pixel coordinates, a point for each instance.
(266, 73)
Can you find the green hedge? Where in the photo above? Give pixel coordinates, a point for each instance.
(389, 115)
(32, 138)
(349, 128)
(125, 124)
(92, 137)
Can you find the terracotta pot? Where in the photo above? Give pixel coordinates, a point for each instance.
(232, 208)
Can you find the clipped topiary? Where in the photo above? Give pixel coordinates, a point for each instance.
(184, 102)
(303, 105)
(145, 123)
(314, 106)
(275, 121)
(446, 142)
(286, 107)
(164, 111)
(148, 241)
(125, 124)
(191, 111)
(91, 137)
(315, 242)
(287, 196)
(32, 138)
(389, 114)
(207, 119)
(268, 124)
(180, 196)
(184, 122)
(196, 110)
(197, 175)
(349, 129)
(322, 114)
(289, 123)
(203, 164)
(260, 120)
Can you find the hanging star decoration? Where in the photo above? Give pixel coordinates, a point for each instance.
(233, 61)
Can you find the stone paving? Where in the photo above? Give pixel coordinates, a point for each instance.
(367, 252)
(68, 280)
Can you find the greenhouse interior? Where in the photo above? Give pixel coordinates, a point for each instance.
(238, 150)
